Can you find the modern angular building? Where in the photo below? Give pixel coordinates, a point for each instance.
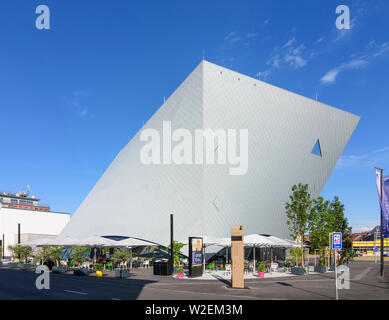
(291, 139)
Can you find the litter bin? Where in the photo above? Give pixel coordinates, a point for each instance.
(162, 268)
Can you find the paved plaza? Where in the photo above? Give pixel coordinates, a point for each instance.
(365, 284)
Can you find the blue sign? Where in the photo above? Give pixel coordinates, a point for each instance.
(336, 241)
(375, 249)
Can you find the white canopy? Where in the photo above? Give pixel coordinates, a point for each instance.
(99, 242)
(259, 241)
(132, 242)
(40, 242)
(292, 243)
(207, 240)
(68, 242)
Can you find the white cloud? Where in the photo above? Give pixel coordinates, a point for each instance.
(384, 48)
(75, 103)
(274, 61)
(289, 43)
(354, 64)
(319, 40)
(263, 75)
(330, 76)
(368, 159)
(232, 37)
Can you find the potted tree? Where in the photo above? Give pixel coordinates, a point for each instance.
(121, 256)
(177, 246)
(25, 253)
(98, 267)
(261, 270)
(298, 212)
(15, 252)
(79, 255)
(55, 254)
(180, 273)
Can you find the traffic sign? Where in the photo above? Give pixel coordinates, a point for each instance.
(336, 241)
(375, 249)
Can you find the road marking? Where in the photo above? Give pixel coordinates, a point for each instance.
(362, 274)
(116, 299)
(76, 292)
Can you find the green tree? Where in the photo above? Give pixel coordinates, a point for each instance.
(43, 254)
(79, 255)
(298, 212)
(21, 251)
(320, 225)
(121, 256)
(177, 246)
(55, 254)
(340, 223)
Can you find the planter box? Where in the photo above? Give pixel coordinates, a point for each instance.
(26, 266)
(81, 272)
(320, 269)
(60, 269)
(13, 265)
(261, 274)
(122, 273)
(298, 271)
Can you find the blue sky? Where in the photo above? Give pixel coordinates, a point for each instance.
(71, 97)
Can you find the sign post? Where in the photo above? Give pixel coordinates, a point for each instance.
(336, 244)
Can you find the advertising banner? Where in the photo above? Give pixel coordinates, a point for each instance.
(384, 201)
(195, 256)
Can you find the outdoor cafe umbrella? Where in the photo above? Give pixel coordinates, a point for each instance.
(67, 242)
(132, 242)
(99, 242)
(256, 240)
(40, 242)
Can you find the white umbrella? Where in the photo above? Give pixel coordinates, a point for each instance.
(256, 240)
(292, 243)
(98, 242)
(68, 242)
(278, 242)
(40, 242)
(132, 242)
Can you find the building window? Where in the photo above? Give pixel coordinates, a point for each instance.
(16, 201)
(317, 149)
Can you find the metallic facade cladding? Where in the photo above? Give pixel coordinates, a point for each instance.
(132, 199)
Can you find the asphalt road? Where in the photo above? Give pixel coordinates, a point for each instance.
(365, 284)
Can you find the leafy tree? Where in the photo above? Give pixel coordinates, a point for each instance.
(43, 254)
(320, 225)
(121, 256)
(55, 254)
(298, 212)
(340, 223)
(21, 251)
(177, 246)
(79, 254)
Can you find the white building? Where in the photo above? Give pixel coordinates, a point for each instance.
(291, 139)
(35, 221)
